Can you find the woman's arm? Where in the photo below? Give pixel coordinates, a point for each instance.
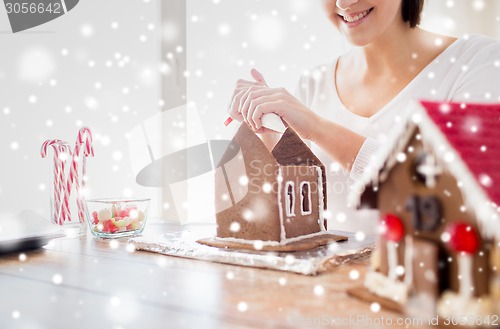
(339, 142)
(252, 100)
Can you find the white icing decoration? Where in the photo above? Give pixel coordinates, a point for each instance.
(302, 184)
(321, 196)
(273, 121)
(408, 260)
(382, 286)
(392, 259)
(280, 204)
(273, 243)
(430, 170)
(465, 274)
(454, 306)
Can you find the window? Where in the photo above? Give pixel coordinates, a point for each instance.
(290, 199)
(305, 198)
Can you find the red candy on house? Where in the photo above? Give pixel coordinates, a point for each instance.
(394, 229)
(463, 238)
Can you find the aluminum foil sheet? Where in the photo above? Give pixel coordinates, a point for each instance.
(311, 262)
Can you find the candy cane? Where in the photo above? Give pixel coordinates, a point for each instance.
(84, 138)
(57, 175)
(65, 190)
(64, 180)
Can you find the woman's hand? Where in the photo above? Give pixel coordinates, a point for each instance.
(241, 88)
(258, 99)
(252, 100)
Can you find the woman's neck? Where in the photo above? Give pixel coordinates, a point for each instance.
(402, 51)
(390, 53)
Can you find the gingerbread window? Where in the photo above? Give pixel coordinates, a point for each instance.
(290, 199)
(305, 198)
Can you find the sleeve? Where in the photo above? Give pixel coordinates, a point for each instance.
(364, 157)
(304, 90)
(481, 77)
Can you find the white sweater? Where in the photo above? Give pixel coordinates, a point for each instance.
(468, 70)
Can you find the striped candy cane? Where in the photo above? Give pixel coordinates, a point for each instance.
(56, 179)
(65, 176)
(64, 150)
(61, 210)
(84, 139)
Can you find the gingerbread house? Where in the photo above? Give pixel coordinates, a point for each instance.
(436, 185)
(271, 200)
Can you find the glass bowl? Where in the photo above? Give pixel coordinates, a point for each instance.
(115, 218)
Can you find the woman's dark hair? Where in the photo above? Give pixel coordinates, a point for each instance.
(411, 10)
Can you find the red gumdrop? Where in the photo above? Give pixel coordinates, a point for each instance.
(95, 216)
(124, 213)
(394, 229)
(109, 227)
(463, 238)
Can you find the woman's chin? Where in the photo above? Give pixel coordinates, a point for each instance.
(358, 40)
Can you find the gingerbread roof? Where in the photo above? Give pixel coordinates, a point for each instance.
(289, 151)
(465, 139)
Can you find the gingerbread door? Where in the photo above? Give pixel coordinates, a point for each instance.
(428, 266)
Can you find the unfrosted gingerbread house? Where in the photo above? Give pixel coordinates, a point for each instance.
(437, 187)
(271, 200)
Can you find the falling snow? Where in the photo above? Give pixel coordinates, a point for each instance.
(354, 274)
(57, 279)
(235, 227)
(360, 236)
(375, 307)
(319, 290)
(242, 306)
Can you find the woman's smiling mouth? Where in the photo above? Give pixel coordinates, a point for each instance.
(351, 19)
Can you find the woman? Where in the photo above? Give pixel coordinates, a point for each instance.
(347, 107)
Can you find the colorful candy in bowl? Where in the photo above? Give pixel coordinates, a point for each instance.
(114, 218)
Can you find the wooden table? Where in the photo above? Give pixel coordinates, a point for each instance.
(84, 282)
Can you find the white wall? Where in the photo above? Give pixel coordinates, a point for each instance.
(457, 17)
(227, 38)
(53, 63)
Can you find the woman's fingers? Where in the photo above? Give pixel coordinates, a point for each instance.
(253, 97)
(258, 77)
(234, 108)
(266, 104)
(251, 106)
(250, 94)
(242, 86)
(240, 89)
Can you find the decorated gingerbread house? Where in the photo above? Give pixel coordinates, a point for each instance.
(270, 200)
(436, 187)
